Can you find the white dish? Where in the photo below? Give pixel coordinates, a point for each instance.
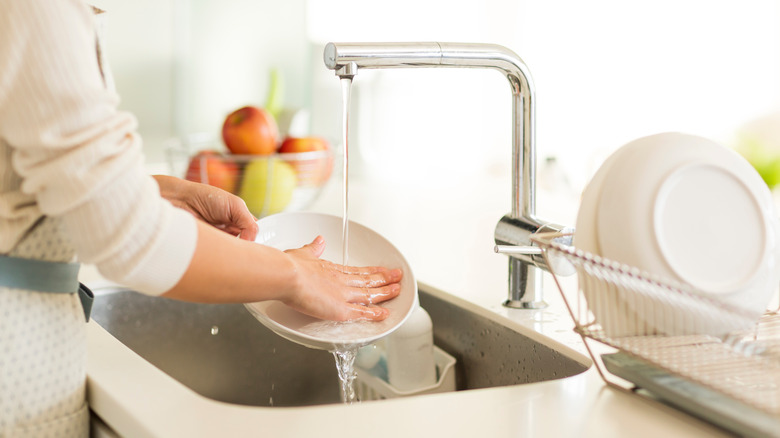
(586, 231)
(670, 205)
(689, 210)
(366, 248)
(601, 301)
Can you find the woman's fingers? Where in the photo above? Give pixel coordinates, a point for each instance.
(356, 270)
(359, 270)
(367, 296)
(378, 279)
(314, 249)
(358, 312)
(367, 276)
(332, 291)
(357, 276)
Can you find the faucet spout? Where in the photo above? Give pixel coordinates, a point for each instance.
(346, 59)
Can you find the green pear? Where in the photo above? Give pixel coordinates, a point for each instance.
(758, 141)
(267, 186)
(763, 157)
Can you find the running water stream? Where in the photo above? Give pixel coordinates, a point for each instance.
(346, 89)
(345, 355)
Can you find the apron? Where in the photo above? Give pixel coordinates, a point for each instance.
(43, 345)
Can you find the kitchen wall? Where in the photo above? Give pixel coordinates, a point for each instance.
(606, 71)
(182, 65)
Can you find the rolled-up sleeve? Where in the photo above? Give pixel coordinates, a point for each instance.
(77, 154)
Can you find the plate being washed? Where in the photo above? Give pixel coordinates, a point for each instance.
(366, 248)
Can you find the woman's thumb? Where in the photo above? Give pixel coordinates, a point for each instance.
(317, 246)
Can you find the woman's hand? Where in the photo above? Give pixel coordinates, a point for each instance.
(212, 205)
(228, 270)
(337, 292)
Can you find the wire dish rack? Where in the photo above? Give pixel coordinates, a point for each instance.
(682, 336)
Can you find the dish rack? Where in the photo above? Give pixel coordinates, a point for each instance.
(618, 308)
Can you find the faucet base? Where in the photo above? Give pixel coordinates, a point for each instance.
(525, 286)
(517, 304)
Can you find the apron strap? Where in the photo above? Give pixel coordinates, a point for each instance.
(44, 276)
(87, 297)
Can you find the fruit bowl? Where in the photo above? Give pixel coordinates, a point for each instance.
(268, 184)
(296, 178)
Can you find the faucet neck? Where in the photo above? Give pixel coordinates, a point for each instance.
(347, 58)
(516, 228)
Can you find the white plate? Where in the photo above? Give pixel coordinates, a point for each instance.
(685, 208)
(366, 248)
(603, 302)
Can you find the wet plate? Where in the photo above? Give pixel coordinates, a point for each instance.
(366, 248)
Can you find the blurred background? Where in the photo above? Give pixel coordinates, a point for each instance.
(606, 72)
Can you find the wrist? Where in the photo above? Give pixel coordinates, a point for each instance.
(173, 189)
(291, 280)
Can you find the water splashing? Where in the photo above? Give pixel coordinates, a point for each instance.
(345, 364)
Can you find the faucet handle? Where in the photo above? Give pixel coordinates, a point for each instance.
(557, 264)
(517, 250)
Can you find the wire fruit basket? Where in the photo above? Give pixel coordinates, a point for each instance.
(268, 184)
(697, 353)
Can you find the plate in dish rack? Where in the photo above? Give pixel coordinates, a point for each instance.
(684, 208)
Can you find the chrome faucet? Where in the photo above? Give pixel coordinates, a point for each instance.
(513, 231)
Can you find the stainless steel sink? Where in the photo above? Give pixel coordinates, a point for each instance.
(223, 353)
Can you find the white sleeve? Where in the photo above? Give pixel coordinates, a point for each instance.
(77, 154)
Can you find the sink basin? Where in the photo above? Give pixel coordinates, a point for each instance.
(223, 353)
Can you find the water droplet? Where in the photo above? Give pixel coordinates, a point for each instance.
(214, 330)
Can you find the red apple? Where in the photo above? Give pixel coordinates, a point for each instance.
(217, 171)
(311, 171)
(250, 131)
(303, 144)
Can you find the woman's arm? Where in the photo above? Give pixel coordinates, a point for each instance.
(226, 269)
(80, 159)
(222, 270)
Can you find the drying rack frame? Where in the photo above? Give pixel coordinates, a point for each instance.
(742, 364)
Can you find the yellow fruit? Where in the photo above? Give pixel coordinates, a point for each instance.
(255, 186)
(763, 157)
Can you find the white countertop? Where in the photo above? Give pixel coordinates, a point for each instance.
(446, 232)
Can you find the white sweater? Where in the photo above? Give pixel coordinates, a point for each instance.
(66, 151)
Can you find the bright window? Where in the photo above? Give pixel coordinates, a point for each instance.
(606, 72)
